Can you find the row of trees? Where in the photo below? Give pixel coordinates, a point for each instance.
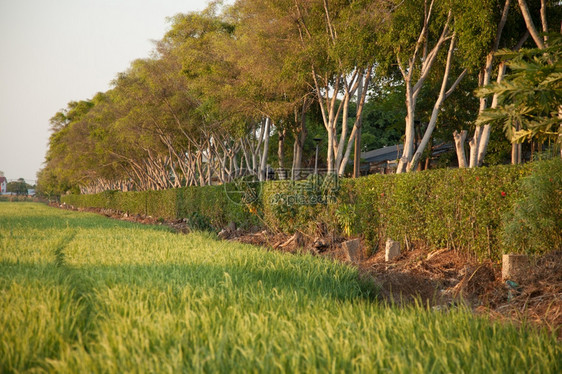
(224, 83)
(19, 187)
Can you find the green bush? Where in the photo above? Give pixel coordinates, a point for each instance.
(534, 225)
(459, 209)
(477, 211)
(300, 205)
(210, 205)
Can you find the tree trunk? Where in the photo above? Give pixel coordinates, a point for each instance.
(357, 148)
(443, 94)
(530, 25)
(263, 166)
(209, 166)
(485, 137)
(339, 146)
(408, 150)
(408, 72)
(516, 150)
(459, 146)
(298, 147)
(281, 153)
(356, 130)
(479, 143)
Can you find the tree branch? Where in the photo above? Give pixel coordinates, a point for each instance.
(530, 25)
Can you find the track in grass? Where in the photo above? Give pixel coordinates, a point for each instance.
(83, 293)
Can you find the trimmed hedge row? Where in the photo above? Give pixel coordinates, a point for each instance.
(482, 211)
(203, 204)
(453, 208)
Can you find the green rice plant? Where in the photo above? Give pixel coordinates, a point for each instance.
(197, 221)
(121, 297)
(347, 218)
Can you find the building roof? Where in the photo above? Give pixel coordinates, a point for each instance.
(389, 153)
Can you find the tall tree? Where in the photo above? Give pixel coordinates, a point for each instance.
(339, 42)
(420, 31)
(524, 104)
(530, 96)
(510, 34)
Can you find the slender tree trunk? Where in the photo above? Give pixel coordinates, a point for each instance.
(281, 148)
(408, 150)
(263, 166)
(485, 136)
(357, 124)
(255, 150)
(544, 22)
(298, 147)
(209, 165)
(443, 94)
(479, 142)
(411, 70)
(200, 168)
(343, 136)
(530, 24)
(516, 150)
(246, 156)
(483, 80)
(359, 117)
(459, 146)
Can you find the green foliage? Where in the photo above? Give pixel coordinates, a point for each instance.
(347, 218)
(197, 221)
(205, 207)
(534, 225)
(301, 205)
(530, 95)
(457, 208)
(383, 118)
(18, 187)
(460, 209)
(144, 299)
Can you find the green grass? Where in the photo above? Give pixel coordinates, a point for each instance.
(82, 293)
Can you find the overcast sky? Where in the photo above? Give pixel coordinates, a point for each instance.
(56, 51)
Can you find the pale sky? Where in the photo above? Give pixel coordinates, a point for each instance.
(56, 51)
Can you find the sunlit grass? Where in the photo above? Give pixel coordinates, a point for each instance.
(82, 293)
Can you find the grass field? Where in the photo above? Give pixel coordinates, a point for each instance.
(82, 293)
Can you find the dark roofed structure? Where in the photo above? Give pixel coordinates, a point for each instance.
(390, 153)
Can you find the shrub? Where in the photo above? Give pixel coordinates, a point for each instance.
(534, 225)
(197, 221)
(476, 211)
(209, 205)
(460, 209)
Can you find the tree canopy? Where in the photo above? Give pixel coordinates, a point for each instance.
(225, 84)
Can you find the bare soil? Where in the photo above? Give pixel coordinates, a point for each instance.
(439, 279)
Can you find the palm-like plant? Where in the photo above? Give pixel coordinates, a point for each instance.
(530, 96)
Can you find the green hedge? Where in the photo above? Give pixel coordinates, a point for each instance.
(460, 209)
(209, 204)
(534, 224)
(482, 211)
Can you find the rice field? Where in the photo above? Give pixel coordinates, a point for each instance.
(82, 293)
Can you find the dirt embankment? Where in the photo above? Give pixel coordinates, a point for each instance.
(440, 279)
(445, 278)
